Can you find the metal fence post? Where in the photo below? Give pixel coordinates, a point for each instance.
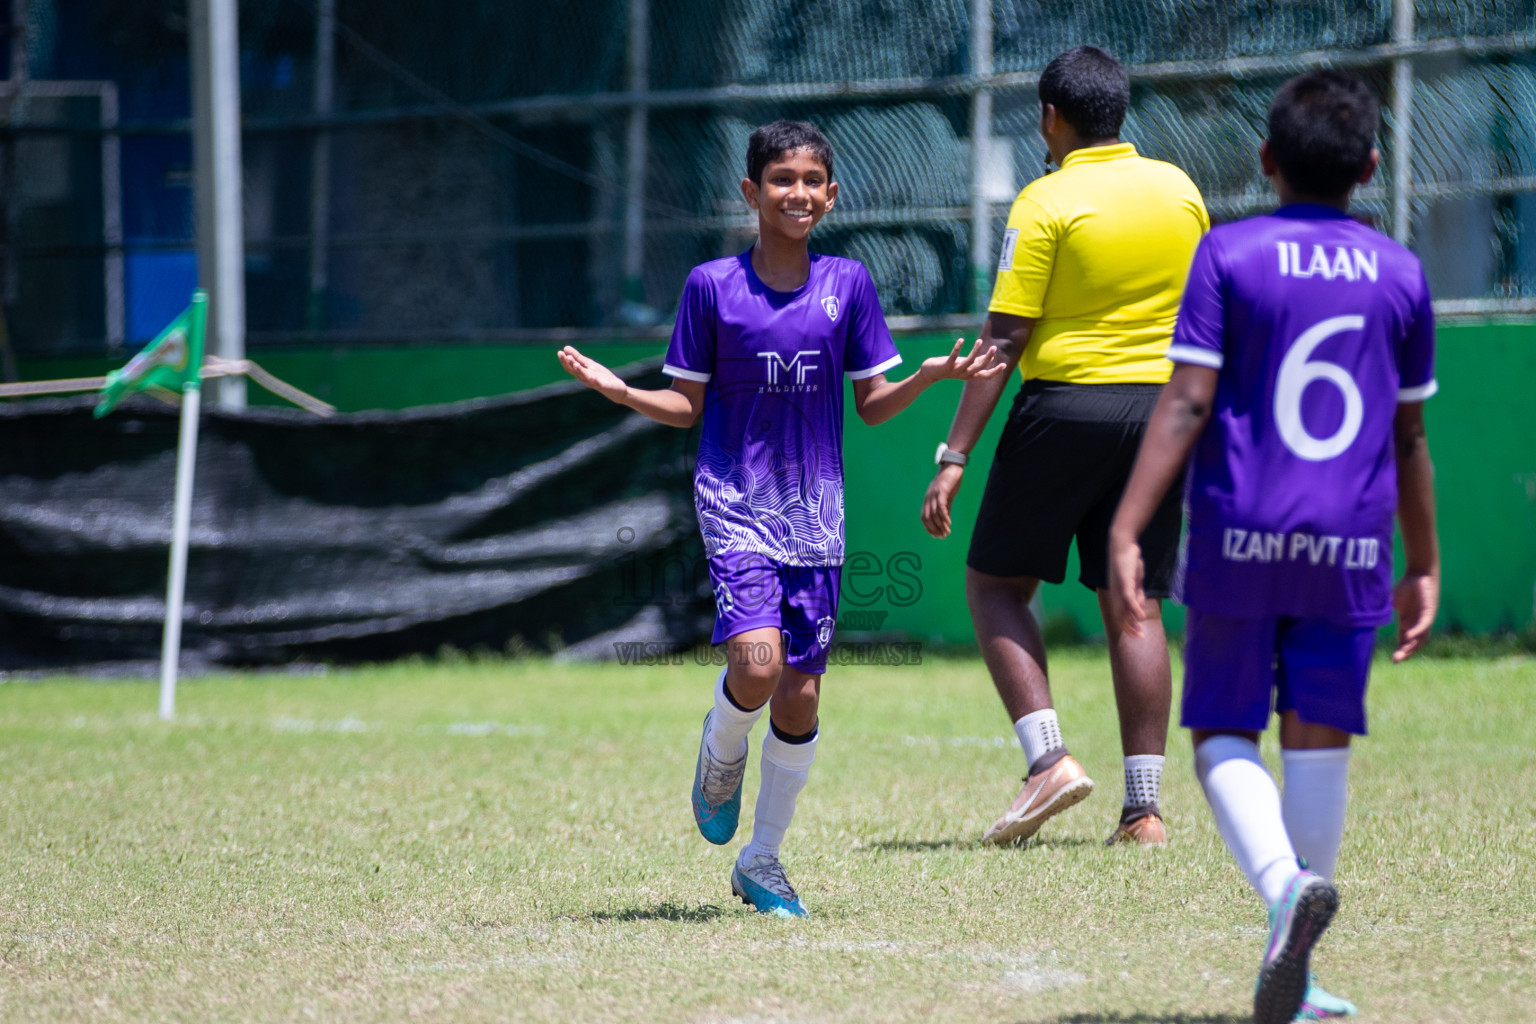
(639, 61)
(1402, 124)
(216, 156)
(320, 164)
(15, 115)
(603, 237)
(981, 139)
(112, 219)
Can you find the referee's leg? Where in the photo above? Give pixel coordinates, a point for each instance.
(1143, 680)
(1009, 638)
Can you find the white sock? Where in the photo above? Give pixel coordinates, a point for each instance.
(1246, 804)
(1316, 793)
(729, 725)
(785, 768)
(1143, 780)
(1039, 733)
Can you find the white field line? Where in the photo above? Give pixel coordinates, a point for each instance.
(492, 729)
(298, 724)
(958, 741)
(353, 724)
(493, 963)
(284, 723)
(1041, 979)
(1030, 972)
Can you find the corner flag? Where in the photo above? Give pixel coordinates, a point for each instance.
(173, 360)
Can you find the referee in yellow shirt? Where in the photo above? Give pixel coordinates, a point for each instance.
(1088, 286)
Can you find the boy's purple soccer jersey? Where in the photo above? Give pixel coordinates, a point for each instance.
(769, 477)
(1319, 326)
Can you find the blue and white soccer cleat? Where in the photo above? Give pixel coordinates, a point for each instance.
(763, 886)
(717, 792)
(1320, 1004)
(1296, 922)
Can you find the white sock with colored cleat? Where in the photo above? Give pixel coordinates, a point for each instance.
(1246, 805)
(1316, 796)
(786, 766)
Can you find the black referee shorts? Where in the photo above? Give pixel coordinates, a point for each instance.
(1061, 465)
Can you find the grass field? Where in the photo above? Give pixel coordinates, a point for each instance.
(511, 841)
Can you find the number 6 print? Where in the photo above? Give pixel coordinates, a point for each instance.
(1296, 372)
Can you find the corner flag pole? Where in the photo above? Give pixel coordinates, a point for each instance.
(181, 522)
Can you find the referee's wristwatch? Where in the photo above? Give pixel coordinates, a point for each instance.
(946, 454)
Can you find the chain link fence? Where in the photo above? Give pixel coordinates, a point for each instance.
(522, 172)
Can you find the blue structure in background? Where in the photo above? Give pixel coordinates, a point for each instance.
(156, 289)
(160, 267)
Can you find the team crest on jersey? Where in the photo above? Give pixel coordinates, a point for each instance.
(824, 629)
(830, 305)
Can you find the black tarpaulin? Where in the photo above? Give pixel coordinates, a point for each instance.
(551, 518)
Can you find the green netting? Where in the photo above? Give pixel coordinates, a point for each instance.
(473, 52)
(1475, 125)
(1030, 32)
(479, 151)
(1441, 19)
(713, 42)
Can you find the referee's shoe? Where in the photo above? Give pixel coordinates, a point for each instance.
(1047, 792)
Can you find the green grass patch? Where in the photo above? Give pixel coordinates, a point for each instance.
(511, 841)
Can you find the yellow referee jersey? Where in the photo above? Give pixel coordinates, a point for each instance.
(1097, 253)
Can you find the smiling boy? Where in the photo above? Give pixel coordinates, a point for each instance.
(762, 343)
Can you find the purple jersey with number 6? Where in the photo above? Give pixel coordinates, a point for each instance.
(1319, 326)
(769, 478)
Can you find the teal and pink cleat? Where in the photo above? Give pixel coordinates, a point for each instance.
(1320, 1004)
(1296, 922)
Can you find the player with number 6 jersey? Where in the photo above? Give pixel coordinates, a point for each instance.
(1303, 354)
(1320, 326)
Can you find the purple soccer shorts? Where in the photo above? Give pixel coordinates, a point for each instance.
(753, 590)
(1236, 669)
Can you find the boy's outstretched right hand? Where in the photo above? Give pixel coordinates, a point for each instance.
(593, 374)
(962, 365)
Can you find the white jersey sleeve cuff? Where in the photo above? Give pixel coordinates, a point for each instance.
(1192, 354)
(679, 372)
(1418, 394)
(873, 370)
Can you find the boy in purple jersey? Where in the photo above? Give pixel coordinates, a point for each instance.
(1303, 353)
(762, 343)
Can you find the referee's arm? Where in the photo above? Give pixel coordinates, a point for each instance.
(1010, 334)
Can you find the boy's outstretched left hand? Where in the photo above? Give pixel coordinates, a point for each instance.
(593, 374)
(1127, 604)
(960, 365)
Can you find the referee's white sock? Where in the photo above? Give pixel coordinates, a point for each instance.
(1143, 783)
(1246, 804)
(1040, 735)
(1316, 795)
(786, 766)
(729, 725)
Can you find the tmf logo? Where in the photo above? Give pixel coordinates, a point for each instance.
(796, 366)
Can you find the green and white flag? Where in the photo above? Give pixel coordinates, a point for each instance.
(172, 361)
